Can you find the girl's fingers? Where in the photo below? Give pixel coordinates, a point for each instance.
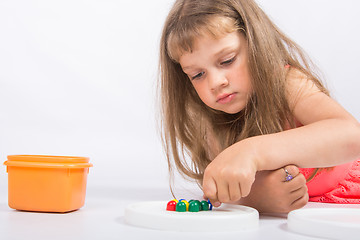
(296, 183)
(300, 202)
(299, 193)
(210, 190)
(245, 189)
(234, 191)
(222, 191)
(291, 170)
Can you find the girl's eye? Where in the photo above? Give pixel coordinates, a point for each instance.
(227, 62)
(199, 75)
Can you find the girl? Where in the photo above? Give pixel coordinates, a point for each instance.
(241, 99)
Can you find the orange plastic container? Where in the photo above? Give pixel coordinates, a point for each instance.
(47, 183)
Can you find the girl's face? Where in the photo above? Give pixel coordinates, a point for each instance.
(218, 70)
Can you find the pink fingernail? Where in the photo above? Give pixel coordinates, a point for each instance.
(217, 204)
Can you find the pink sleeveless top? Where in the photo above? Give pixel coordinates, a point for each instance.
(339, 184)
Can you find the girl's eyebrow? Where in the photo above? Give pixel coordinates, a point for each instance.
(187, 67)
(225, 50)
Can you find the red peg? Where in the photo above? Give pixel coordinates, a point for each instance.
(171, 206)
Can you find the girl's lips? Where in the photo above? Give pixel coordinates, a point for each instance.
(225, 98)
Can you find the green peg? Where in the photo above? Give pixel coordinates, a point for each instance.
(181, 207)
(204, 206)
(194, 206)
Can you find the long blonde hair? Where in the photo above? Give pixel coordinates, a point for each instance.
(189, 126)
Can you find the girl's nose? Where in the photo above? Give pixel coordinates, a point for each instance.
(217, 80)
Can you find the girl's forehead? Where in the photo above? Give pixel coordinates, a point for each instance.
(209, 48)
(210, 44)
(184, 36)
(204, 41)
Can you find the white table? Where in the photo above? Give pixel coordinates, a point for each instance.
(102, 217)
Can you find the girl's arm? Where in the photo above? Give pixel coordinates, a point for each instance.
(330, 136)
(270, 193)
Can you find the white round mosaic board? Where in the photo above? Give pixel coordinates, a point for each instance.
(227, 217)
(330, 223)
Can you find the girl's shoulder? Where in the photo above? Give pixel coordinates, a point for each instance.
(298, 86)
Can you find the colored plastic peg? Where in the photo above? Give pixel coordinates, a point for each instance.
(204, 206)
(210, 205)
(194, 206)
(186, 202)
(171, 206)
(198, 202)
(181, 207)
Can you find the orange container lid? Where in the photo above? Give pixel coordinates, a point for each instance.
(47, 161)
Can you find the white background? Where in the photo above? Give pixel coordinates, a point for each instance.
(79, 77)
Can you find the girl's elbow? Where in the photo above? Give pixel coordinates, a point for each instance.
(355, 133)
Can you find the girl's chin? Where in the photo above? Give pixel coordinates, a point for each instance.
(232, 110)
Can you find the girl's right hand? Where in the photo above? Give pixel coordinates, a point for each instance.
(270, 193)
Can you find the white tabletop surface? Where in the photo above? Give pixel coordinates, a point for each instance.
(102, 217)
